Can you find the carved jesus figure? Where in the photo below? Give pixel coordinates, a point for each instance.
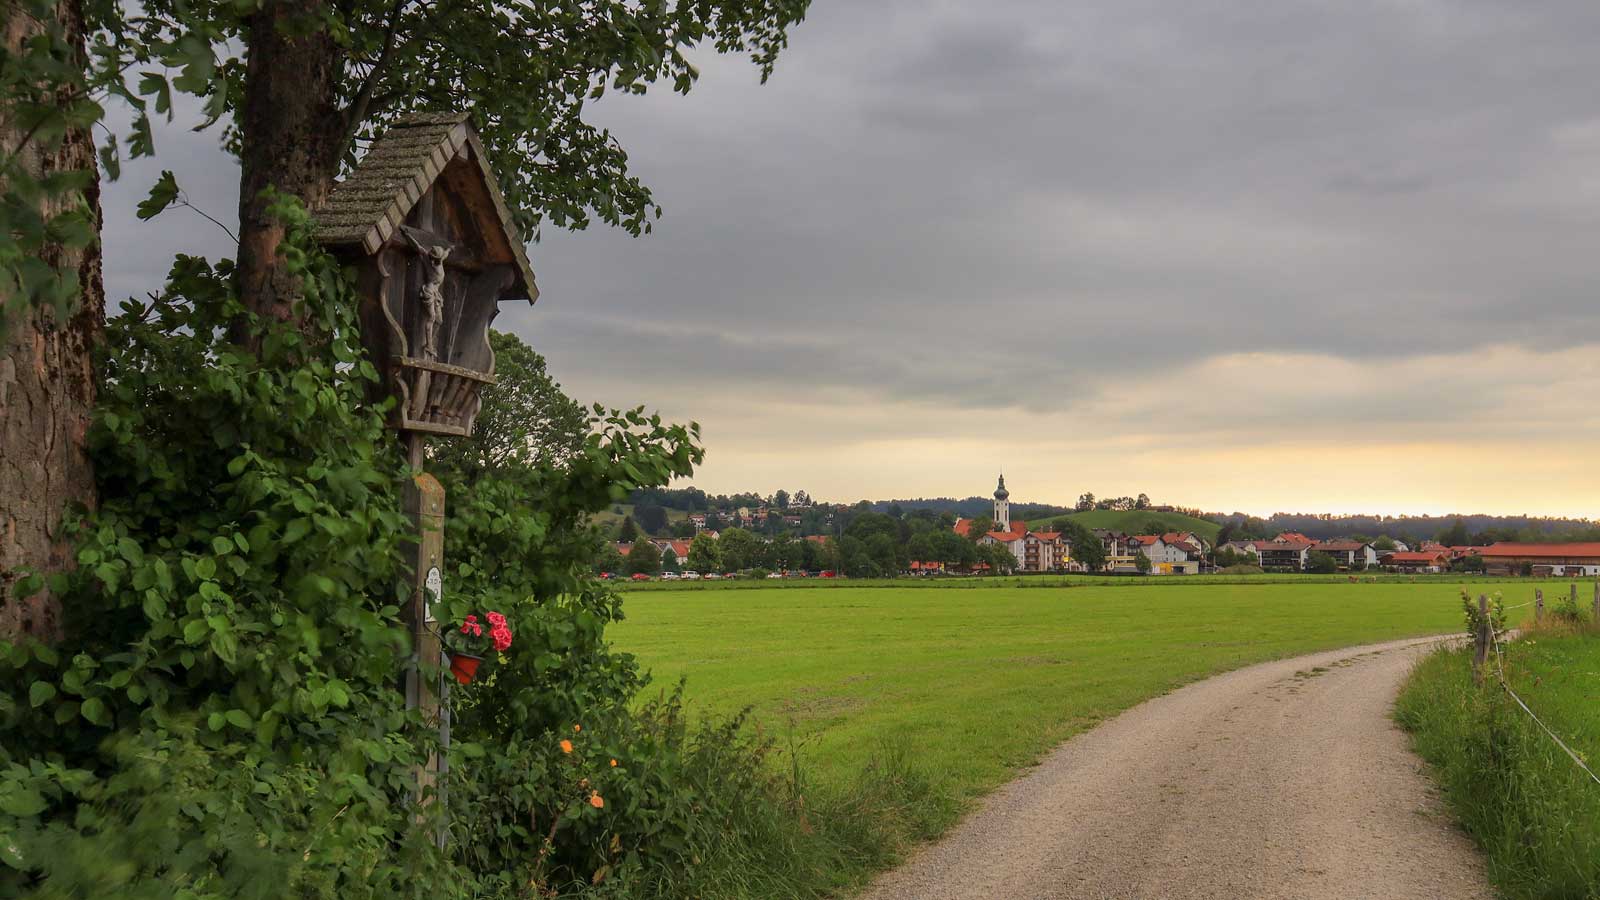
(433, 257)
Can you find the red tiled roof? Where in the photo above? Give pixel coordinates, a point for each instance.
(817, 538)
(1511, 550)
(1047, 535)
(1147, 539)
(964, 526)
(1415, 556)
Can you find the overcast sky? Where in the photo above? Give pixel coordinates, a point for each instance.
(1314, 256)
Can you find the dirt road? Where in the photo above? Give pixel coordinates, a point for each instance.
(1284, 780)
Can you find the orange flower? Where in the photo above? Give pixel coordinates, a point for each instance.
(566, 746)
(596, 802)
(577, 728)
(613, 764)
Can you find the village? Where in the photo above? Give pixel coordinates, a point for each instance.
(1050, 550)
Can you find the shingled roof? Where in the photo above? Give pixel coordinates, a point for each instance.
(366, 208)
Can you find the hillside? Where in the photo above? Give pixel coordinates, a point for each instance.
(1136, 521)
(610, 517)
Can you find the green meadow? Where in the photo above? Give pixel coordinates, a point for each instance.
(964, 685)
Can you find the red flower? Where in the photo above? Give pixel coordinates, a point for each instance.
(501, 636)
(471, 626)
(496, 620)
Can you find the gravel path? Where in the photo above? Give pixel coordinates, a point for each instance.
(1283, 780)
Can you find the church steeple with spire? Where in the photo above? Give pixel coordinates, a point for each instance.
(1002, 506)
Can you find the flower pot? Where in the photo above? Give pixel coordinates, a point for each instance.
(464, 666)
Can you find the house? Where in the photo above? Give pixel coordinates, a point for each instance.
(1187, 537)
(679, 548)
(1246, 548)
(1168, 557)
(1014, 539)
(698, 520)
(1416, 561)
(1119, 549)
(1043, 551)
(1561, 560)
(1285, 553)
(1350, 555)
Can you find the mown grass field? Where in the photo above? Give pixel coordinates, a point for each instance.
(1536, 814)
(969, 684)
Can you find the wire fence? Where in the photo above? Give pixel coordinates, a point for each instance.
(1486, 628)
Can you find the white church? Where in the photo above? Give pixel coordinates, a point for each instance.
(1036, 551)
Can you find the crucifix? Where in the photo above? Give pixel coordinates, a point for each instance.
(425, 227)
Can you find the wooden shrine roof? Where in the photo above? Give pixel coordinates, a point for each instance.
(366, 208)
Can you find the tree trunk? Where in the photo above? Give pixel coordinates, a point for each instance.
(47, 385)
(292, 136)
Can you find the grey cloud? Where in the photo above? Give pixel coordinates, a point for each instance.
(1022, 201)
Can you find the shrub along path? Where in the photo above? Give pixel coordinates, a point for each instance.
(1282, 780)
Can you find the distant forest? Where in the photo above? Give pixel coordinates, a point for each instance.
(1453, 529)
(1477, 528)
(972, 507)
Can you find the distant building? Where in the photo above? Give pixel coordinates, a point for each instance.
(1042, 551)
(1560, 560)
(1119, 548)
(1167, 557)
(1350, 555)
(1416, 561)
(1285, 553)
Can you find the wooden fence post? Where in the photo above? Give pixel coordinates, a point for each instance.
(1538, 605)
(1595, 619)
(1481, 640)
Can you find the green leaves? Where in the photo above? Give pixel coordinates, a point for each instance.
(162, 195)
(21, 802)
(40, 693)
(94, 710)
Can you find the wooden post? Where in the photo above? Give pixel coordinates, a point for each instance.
(425, 503)
(1595, 617)
(1480, 653)
(1538, 605)
(1574, 596)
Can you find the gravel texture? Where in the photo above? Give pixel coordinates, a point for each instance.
(1282, 780)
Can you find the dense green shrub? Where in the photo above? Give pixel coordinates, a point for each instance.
(222, 718)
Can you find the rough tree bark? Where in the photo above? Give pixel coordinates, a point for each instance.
(47, 385)
(292, 136)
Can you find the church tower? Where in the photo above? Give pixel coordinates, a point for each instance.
(1002, 506)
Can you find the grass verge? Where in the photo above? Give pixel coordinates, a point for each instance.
(1534, 812)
